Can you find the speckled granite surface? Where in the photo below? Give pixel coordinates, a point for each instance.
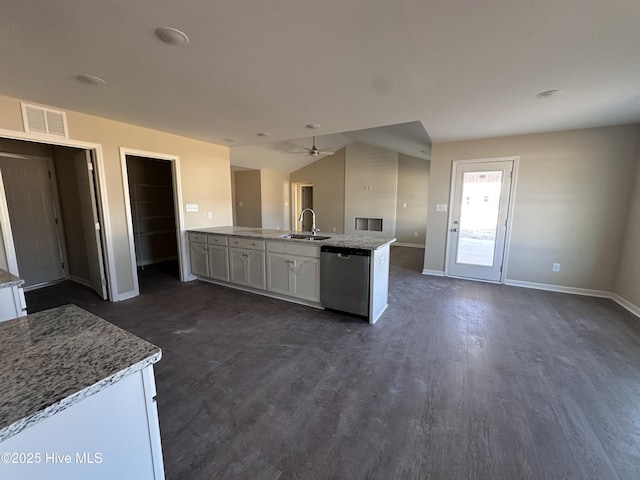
(8, 280)
(52, 359)
(352, 241)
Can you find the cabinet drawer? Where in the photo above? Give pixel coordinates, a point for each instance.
(253, 244)
(217, 240)
(294, 249)
(197, 237)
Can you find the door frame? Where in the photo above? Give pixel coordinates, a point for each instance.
(452, 194)
(101, 203)
(296, 188)
(183, 260)
(57, 212)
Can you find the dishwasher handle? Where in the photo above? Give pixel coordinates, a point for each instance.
(344, 255)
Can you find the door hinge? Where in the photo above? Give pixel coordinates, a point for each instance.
(56, 221)
(511, 174)
(104, 282)
(62, 263)
(97, 226)
(49, 173)
(90, 166)
(500, 268)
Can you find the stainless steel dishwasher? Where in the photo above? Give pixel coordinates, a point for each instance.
(344, 279)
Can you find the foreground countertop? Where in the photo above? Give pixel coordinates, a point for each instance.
(52, 359)
(8, 280)
(364, 242)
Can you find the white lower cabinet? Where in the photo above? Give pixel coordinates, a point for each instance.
(113, 433)
(294, 270)
(218, 262)
(199, 259)
(12, 303)
(246, 267)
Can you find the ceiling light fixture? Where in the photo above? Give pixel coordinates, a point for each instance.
(263, 134)
(546, 94)
(172, 36)
(90, 79)
(313, 126)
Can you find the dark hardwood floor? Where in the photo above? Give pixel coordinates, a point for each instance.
(457, 380)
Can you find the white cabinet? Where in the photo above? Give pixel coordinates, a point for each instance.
(246, 267)
(198, 255)
(113, 433)
(218, 262)
(12, 302)
(292, 274)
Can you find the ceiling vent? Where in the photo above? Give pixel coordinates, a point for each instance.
(44, 120)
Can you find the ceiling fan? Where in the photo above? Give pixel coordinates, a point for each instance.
(313, 151)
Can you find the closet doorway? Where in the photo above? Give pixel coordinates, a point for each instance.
(154, 224)
(50, 215)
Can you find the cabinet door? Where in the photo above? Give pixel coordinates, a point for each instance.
(237, 269)
(306, 279)
(198, 259)
(279, 273)
(219, 262)
(255, 269)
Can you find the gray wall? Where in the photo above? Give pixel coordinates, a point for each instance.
(628, 280)
(247, 192)
(413, 190)
(371, 183)
(274, 198)
(327, 177)
(572, 203)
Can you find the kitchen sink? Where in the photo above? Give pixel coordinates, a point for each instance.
(301, 236)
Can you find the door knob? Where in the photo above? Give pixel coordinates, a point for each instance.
(454, 229)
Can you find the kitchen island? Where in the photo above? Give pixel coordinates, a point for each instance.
(280, 264)
(12, 302)
(77, 399)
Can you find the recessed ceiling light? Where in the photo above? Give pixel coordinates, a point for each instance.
(313, 126)
(263, 134)
(90, 79)
(172, 36)
(546, 94)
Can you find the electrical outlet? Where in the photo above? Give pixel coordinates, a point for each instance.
(209, 215)
(555, 267)
(334, 229)
(404, 204)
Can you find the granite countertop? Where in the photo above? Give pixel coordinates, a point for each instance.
(337, 240)
(53, 359)
(8, 280)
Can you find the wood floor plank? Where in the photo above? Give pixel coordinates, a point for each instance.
(457, 380)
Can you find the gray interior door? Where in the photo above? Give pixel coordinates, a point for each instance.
(90, 222)
(33, 217)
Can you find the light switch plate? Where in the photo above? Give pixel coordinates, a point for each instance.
(441, 207)
(192, 207)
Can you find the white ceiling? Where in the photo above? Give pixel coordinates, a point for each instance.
(463, 69)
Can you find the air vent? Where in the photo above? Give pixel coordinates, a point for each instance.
(44, 120)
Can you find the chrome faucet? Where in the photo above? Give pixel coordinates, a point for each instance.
(314, 230)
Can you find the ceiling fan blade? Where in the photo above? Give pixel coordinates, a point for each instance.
(322, 152)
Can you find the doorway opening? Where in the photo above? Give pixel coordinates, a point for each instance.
(481, 199)
(51, 215)
(302, 198)
(152, 203)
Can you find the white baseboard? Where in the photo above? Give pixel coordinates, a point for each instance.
(435, 273)
(81, 281)
(558, 288)
(126, 295)
(626, 304)
(412, 245)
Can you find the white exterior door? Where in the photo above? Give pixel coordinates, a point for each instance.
(33, 218)
(480, 214)
(90, 222)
